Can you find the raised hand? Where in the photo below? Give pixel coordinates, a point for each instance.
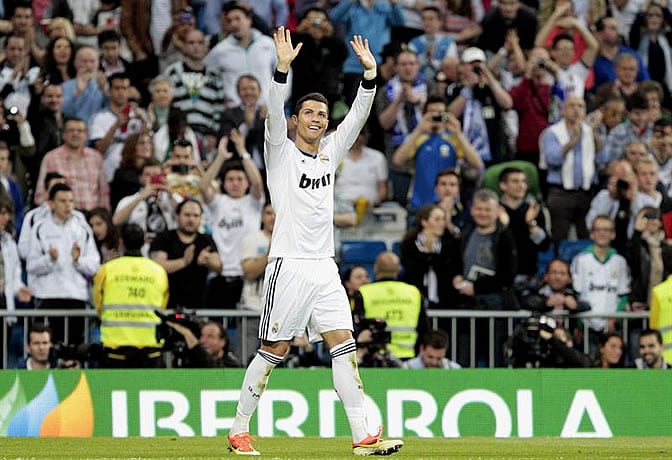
(361, 48)
(284, 49)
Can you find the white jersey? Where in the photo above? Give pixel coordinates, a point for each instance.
(360, 177)
(301, 184)
(232, 220)
(600, 283)
(253, 246)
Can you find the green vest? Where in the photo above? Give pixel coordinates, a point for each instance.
(133, 288)
(399, 304)
(661, 316)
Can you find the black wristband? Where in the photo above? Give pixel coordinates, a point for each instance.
(368, 84)
(280, 77)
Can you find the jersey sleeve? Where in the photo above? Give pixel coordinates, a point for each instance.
(352, 124)
(276, 124)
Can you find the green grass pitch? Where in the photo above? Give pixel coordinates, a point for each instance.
(338, 448)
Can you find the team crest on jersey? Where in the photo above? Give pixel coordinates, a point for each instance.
(614, 274)
(275, 327)
(323, 158)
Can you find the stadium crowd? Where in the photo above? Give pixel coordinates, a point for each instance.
(510, 131)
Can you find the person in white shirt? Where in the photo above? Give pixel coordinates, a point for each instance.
(62, 257)
(234, 214)
(302, 287)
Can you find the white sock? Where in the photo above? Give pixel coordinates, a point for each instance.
(254, 384)
(349, 386)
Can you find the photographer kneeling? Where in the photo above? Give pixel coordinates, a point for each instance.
(211, 350)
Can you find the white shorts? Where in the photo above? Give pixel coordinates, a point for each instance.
(300, 294)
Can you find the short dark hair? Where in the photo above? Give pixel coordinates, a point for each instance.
(58, 188)
(348, 272)
(178, 208)
(182, 142)
(654, 332)
(4, 146)
(636, 102)
(433, 8)
(433, 99)
(230, 6)
(39, 328)
(314, 9)
(72, 120)
(118, 76)
(151, 161)
(506, 172)
(436, 338)
(560, 37)
(561, 261)
(447, 172)
(662, 122)
(310, 97)
(108, 35)
(51, 175)
(133, 237)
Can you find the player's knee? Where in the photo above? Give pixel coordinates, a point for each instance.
(276, 348)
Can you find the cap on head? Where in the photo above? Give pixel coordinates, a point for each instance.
(473, 54)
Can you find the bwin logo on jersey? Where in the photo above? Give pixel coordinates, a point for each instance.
(235, 223)
(307, 182)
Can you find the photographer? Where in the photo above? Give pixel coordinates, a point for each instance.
(538, 343)
(40, 351)
(126, 291)
(211, 350)
(621, 200)
(372, 343)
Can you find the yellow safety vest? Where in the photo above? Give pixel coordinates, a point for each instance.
(127, 290)
(399, 305)
(660, 315)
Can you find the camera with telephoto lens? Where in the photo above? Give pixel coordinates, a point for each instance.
(173, 340)
(527, 348)
(84, 352)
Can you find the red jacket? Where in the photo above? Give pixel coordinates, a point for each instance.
(532, 102)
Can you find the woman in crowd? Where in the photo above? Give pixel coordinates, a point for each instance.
(161, 89)
(137, 149)
(105, 233)
(610, 351)
(59, 61)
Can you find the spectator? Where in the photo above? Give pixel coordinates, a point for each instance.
(447, 191)
(645, 256)
(564, 21)
(651, 351)
(174, 41)
(479, 105)
(570, 175)
(461, 24)
(161, 90)
(433, 351)
(105, 234)
(601, 277)
(111, 62)
(625, 84)
(624, 14)
(17, 74)
(607, 34)
(610, 352)
(486, 264)
(660, 150)
(428, 256)
(607, 116)
(621, 201)
(187, 255)
(85, 94)
(433, 46)
(62, 255)
(137, 150)
(636, 150)
(362, 174)
(651, 35)
(509, 14)
(400, 304)
(437, 143)
(647, 171)
(319, 66)
(527, 223)
(126, 291)
(215, 342)
(199, 90)
(244, 51)
(637, 126)
(399, 108)
(81, 166)
(151, 207)
(235, 213)
(110, 127)
(374, 20)
(11, 187)
(184, 173)
(253, 260)
(353, 278)
(39, 347)
(268, 13)
(248, 118)
(24, 25)
(532, 99)
(175, 133)
(59, 61)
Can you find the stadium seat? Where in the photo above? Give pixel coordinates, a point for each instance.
(396, 248)
(491, 176)
(361, 252)
(569, 248)
(543, 259)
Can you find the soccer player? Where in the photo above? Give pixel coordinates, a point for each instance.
(302, 287)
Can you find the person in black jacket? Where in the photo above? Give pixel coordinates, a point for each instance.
(486, 269)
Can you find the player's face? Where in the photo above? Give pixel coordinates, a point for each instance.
(432, 357)
(63, 204)
(312, 121)
(649, 349)
(235, 183)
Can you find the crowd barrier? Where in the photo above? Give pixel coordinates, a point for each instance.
(453, 321)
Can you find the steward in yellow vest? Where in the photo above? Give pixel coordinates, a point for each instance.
(400, 304)
(126, 291)
(660, 314)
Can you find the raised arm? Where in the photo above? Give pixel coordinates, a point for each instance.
(206, 179)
